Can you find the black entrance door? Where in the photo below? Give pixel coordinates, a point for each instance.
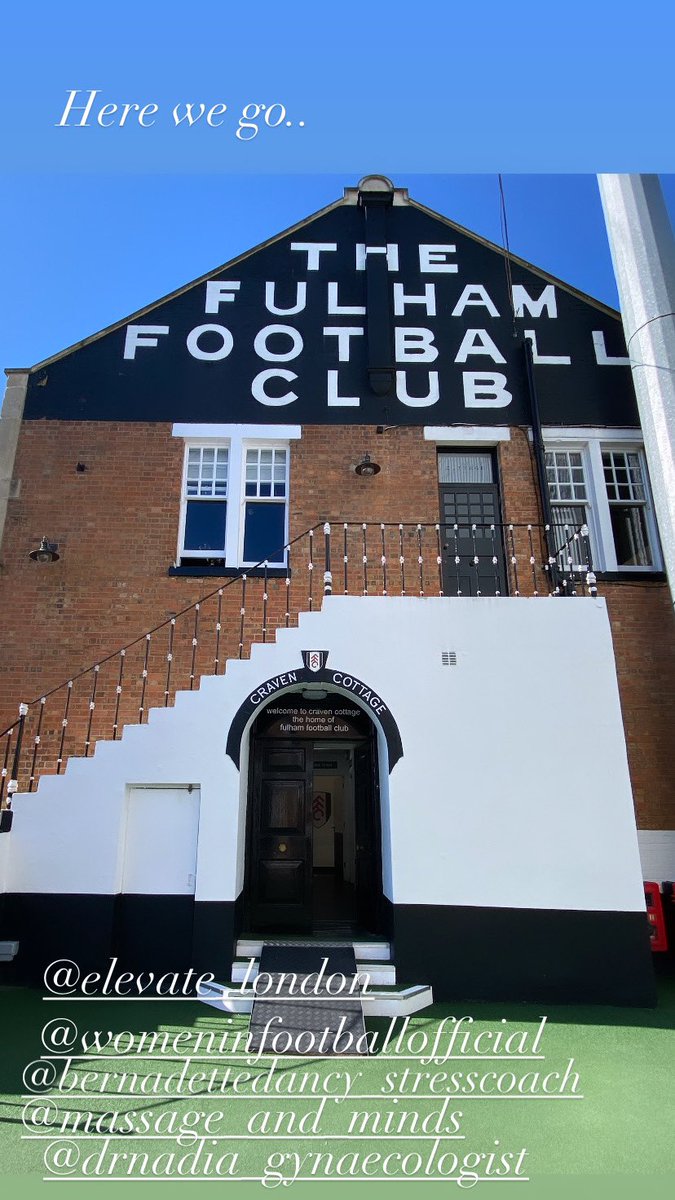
(286, 890)
(471, 536)
(280, 851)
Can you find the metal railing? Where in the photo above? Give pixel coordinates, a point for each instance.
(350, 558)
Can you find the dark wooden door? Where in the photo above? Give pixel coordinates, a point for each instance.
(280, 845)
(473, 559)
(368, 873)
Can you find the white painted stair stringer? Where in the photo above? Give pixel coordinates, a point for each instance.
(180, 746)
(71, 835)
(163, 717)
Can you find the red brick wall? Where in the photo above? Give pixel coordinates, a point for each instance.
(641, 618)
(116, 525)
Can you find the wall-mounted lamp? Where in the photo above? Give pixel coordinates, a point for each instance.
(367, 466)
(46, 552)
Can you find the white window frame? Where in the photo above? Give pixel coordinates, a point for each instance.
(591, 443)
(238, 439)
(261, 444)
(590, 504)
(201, 444)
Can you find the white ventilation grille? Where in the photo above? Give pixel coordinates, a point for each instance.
(448, 658)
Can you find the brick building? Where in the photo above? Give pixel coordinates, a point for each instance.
(333, 599)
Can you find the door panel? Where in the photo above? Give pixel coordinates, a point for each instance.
(280, 847)
(281, 882)
(481, 567)
(282, 758)
(283, 806)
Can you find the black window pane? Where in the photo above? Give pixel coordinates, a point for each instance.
(631, 539)
(205, 525)
(264, 533)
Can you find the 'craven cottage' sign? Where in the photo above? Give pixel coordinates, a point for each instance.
(370, 312)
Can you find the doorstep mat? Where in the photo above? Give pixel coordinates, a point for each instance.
(308, 1001)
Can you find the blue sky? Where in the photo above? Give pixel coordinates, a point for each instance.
(83, 251)
(96, 222)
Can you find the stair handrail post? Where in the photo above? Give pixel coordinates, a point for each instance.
(13, 782)
(327, 575)
(9, 776)
(591, 577)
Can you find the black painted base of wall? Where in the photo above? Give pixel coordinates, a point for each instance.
(546, 955)
(144, 933)
(464, 953)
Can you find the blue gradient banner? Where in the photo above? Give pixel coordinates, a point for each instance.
(431, 87)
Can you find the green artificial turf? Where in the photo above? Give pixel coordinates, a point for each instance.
(623, 1126)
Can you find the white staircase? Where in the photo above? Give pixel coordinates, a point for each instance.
(373, 962)
(183, 745)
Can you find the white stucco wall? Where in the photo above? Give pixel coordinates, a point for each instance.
(513, 789)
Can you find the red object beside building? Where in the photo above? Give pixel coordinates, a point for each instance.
(655, 916)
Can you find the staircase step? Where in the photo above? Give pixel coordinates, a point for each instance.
(365, 951)
(399, 1002)
(381, 973)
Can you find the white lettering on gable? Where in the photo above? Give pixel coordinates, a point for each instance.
(474, 294)
(485, 391)
(314, 250)
(335, 309)
(522, 300)
(401, 299)
(141, 335)
(258, 388)
(300, 300)
(344, 334)
(415, 347)
(222, 351)
(478, 341)
(334, 399)
(219, 291)
(432, 396)
(550, 359)
(602, 358)
(263, 351)
(390, 251)
(414, 344)
(434, 260)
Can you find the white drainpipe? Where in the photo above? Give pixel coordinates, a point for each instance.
(643, 253)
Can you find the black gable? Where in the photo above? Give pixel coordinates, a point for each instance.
(289, 340)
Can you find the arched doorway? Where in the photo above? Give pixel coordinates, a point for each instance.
(313, 840)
